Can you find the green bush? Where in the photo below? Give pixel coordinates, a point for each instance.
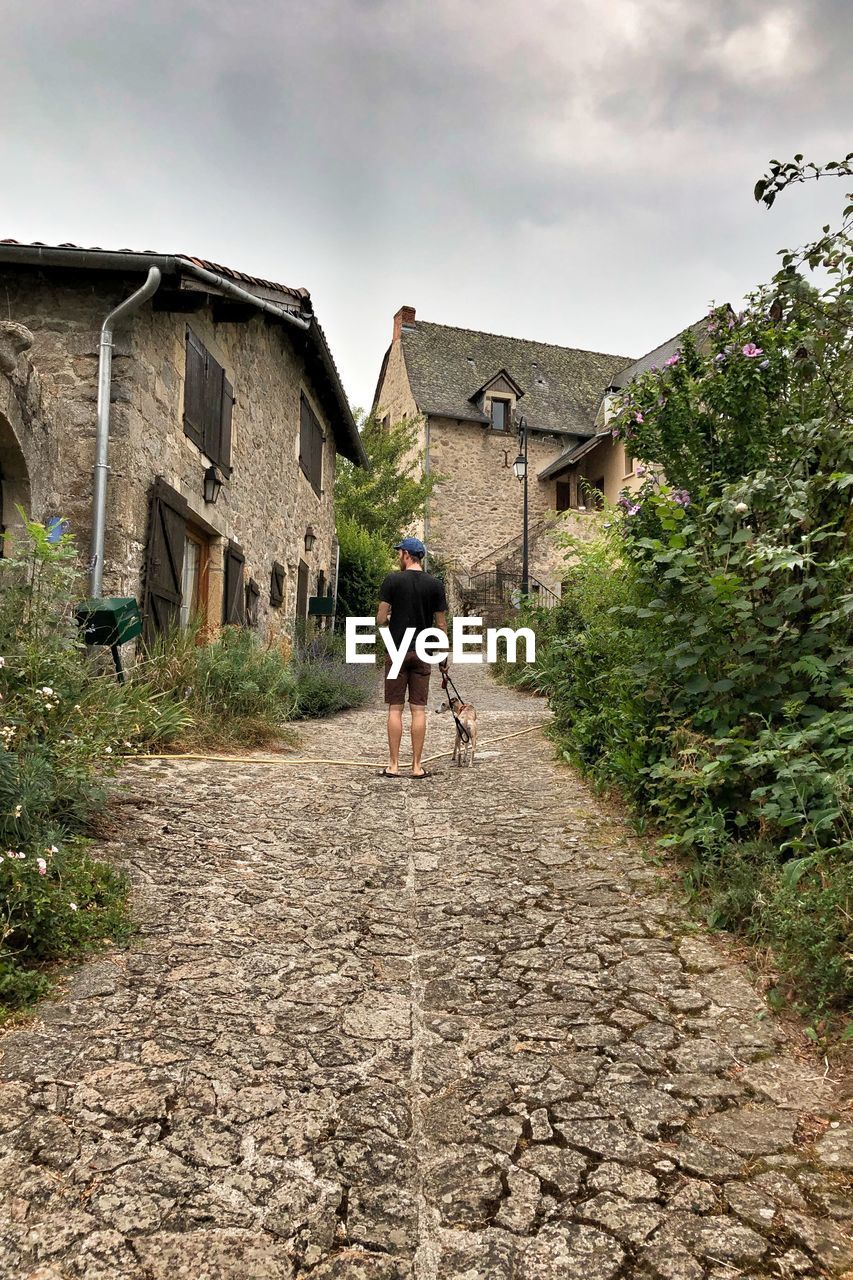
(63, 727)
(365, 558)
(324, 684)
(700, 657)
(232, 691)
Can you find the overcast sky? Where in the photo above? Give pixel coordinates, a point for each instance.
(575, 171)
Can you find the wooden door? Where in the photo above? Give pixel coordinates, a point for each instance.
(164, 560)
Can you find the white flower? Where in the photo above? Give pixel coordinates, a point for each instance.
(741, 508)
(45, 691)
(42, 866)
(18, 811)
(72, 906)
(108, 751)
(2, 662)
(53, 849)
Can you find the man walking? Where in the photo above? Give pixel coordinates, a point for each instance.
(409, 597)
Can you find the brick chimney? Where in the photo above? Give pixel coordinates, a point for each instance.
(405, 318)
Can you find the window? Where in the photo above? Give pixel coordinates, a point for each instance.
(208, 404)
(193, 578)
(310, 445)
(277, 585)
(564, 499)
(499, 414)
(629, 464)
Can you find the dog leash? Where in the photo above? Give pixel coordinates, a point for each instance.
(447, 683)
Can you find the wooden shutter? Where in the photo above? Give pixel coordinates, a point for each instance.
(277, 585)
(233, 599)
(304, 437)
(164, 559)
(213, 384)
(224, 458)
(310, 444)
(194, 390)
(317, 457)
(302, 591)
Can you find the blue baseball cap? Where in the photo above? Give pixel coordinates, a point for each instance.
(414, 546)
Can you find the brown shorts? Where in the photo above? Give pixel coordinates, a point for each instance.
(414, 676)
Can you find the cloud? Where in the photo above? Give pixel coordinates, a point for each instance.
(573, 172)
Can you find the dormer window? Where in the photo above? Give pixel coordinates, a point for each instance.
(496, 400)
(499, 414)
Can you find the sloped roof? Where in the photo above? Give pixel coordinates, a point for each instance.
(255, 283)
(654, 359)
(562, 385)
(295, 300)
(572, 455)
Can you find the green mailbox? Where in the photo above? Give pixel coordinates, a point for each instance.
(321, 606)
(110, 622)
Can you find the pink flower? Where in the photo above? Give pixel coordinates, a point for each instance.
(42, 866)
(638, 417)
(674, 359)
(751, 350)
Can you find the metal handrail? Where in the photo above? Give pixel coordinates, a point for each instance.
(492, 557)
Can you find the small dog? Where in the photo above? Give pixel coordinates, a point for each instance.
(463, 752)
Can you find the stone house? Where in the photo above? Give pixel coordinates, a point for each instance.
(600, 464)
(226, 417)
(468, 391)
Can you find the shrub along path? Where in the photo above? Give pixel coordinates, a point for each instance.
(376, 1029)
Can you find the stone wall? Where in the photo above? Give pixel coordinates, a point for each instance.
(267, 502)
(477, 506)
(30, 452)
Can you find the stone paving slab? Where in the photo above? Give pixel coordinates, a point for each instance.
(373, 1030)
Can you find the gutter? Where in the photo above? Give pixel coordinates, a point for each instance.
(107, 260)
(171, 266)
(102, 439)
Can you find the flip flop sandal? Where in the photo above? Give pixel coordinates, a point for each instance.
(417, 776)
(384, 773)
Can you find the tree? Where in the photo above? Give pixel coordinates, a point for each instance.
(391, 495)
(374, 507)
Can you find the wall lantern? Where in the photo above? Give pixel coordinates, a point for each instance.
(520, 467)
(213, 483)
(310, 538)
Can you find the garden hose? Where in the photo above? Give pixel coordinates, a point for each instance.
(356, 764)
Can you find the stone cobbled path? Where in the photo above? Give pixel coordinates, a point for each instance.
(446, 1030)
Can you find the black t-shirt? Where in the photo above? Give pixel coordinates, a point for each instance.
(414, 596)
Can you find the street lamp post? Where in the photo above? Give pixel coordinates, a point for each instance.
(520, 469)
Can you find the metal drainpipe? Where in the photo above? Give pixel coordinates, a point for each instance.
(105, 366)
(426, 503)
(337, 572)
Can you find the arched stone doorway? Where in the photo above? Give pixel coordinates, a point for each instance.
(14, 484)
